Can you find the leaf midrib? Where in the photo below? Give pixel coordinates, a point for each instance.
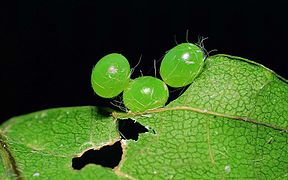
(120, 115)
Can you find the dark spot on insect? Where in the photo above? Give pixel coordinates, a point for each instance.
(130, 129)
(108, 156)
(214, 116)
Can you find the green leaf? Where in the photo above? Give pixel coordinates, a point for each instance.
(42, 144)
(230, 123)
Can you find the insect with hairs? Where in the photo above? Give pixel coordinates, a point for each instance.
(179, 67)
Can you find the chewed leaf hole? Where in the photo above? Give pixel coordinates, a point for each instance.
(108, 156)
(130, 129)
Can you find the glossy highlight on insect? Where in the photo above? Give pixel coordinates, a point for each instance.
(179, 67)
(145, 93)
(182, 64)
(111, 75)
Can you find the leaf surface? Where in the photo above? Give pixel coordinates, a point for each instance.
(42, 144)
(230, 123)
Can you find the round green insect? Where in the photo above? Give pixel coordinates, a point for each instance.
(111, 75)
(145, 93)
(181, 64)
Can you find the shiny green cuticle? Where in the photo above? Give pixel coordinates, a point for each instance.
(182, 64)
(145, 93)
(110, 76)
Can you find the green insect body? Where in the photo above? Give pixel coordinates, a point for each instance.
(145, 93)
(111, 75)
(182, 64)
(179, 67)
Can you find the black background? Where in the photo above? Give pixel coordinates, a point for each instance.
(58, 42)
